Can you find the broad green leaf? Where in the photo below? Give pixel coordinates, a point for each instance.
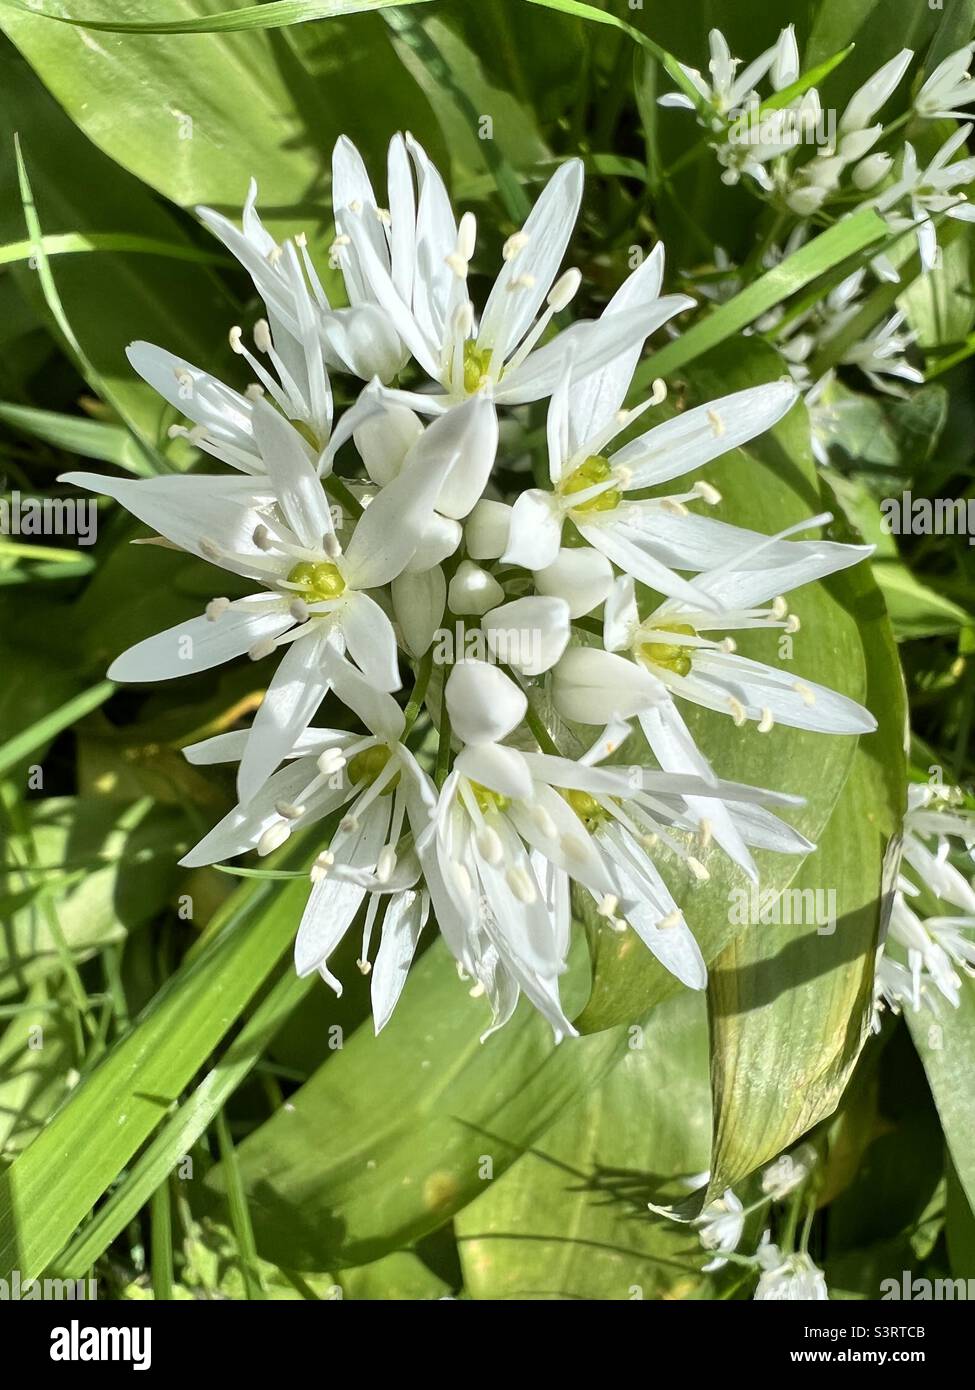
(940, 305)
(791, 997)
(767, 486)
(278, 14)
(401, 1275)
(112, 298)
(389, 1136)
(53, 1185)
(946, 1044)
(73, 243)
(959, 1226)
(570, 1218)
(196, 116)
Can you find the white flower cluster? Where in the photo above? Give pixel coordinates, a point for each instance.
(761, 139)
(349, 573)
(937, 945)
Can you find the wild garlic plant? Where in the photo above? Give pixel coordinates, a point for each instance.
(371, 556)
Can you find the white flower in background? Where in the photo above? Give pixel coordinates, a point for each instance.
(648, 538)
(856, 136)
(720, 1227)
(881, 356)
(727, 91)
(280, 531)
(387, 800)
(788, 1172)
(789, 1278)
(937, 945)
(934, 189)
(949, 87)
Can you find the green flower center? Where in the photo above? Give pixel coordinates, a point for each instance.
(318, 580)
(596, 469)
(673, 656)
(488, 800)
(477, 362)
(367, 765)
(587, 808)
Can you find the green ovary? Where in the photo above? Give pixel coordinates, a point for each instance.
(671, 655)
(367, 765)
(587, 808)
(477, 363)
(317, 581)
(596, 469)
(488, 800)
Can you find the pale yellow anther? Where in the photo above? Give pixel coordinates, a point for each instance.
(766, 722)
(515, 243)
(737, 709)
(697, 869)
(673, 919)
(806, 695)
(716, 423)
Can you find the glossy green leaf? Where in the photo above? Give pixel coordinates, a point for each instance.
(570, 1218)
(791, 997)
(389, 1136)
(278, 14)
(946, 1043)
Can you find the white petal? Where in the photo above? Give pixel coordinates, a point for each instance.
(225, 413)
(595, 399)
(199, 644)
(621, 617)
(391, 528)
(241, 829)
(333, 904)
(385, 439)
(297, 486)
(475, 440)
(634, 551)
(792, 700)
(486, 531)
(647, 900)
(493, 765)
(581, 576)
(535, 530)
(697, 436)
(297, 689)
(529, 634)
(191, 509)
(377, 710)
(509, 311)
(404, 920)
(439, 540)
(418, 605)
(594, 687)
(473, 591)
(483, 703)
(371, 640)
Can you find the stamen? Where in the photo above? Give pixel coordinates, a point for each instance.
(779, 607)
(299, 610)
(738, 713)
(489, 845)
(273, 837)
(792, 623)
(564, 290)
(262, 648)
(707, 493)
(659, 393)
(673, 919)
(349, 824)
(254, 392)
(608, 905)
(386, 863)
(515, 243)
(545, 822)
(728, 644)
(216, 608)
(330, 762)
(287, 810)
(521, 282)
(364, 967)
(766, 722)
(262, 336)
(705, 829)
(697, 869)
(716, 423)
(521, 885)
(463, 880)
(806, 695)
